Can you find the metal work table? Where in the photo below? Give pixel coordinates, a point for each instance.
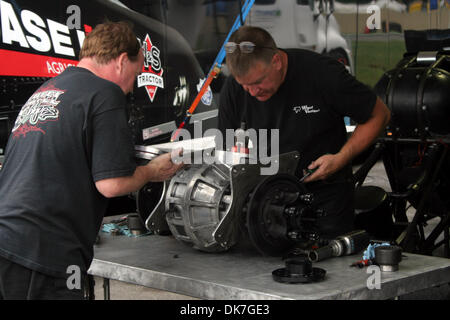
(163, 263)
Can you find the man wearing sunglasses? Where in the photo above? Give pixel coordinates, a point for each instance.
(305, 96)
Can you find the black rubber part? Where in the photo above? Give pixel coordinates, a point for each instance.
(388, 255)
(283, 275)
(134, 222)
(298, 270)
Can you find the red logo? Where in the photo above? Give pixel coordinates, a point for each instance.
(151, 76)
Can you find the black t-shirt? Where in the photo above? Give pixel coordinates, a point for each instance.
(308, 108)
(71, 133)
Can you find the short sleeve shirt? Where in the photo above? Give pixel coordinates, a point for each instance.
(71, 133)
(308, 109)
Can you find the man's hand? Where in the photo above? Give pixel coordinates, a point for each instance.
(165, 166)
(159, 169)
(326, 165)
(362, 137)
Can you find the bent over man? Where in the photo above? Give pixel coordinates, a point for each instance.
(70, 150)
(305, 96)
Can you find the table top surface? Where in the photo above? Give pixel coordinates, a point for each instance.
(164, 263)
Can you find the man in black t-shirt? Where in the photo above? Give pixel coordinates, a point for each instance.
(305, 96)
(70, 150)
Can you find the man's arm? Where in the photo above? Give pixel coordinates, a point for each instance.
(160, 168)
(361, 138)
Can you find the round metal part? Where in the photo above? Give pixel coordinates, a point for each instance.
(388, 268)
(417, 94)
(298, 270)
(197, 199)
(266, 222)
(388, 257)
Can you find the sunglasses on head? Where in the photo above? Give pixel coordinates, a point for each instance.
(244, 47)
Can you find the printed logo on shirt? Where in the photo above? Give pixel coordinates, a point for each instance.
(40, 108)
(306, 109)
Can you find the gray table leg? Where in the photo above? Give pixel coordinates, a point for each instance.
(106, 289)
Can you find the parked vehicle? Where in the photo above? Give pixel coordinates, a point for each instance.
(307, 24)
(40, 39)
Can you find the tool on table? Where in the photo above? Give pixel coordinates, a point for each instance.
(362, 263)
(346, 244)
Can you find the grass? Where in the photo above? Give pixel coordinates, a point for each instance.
(376, 57)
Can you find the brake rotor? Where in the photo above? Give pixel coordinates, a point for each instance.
(266, 224)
